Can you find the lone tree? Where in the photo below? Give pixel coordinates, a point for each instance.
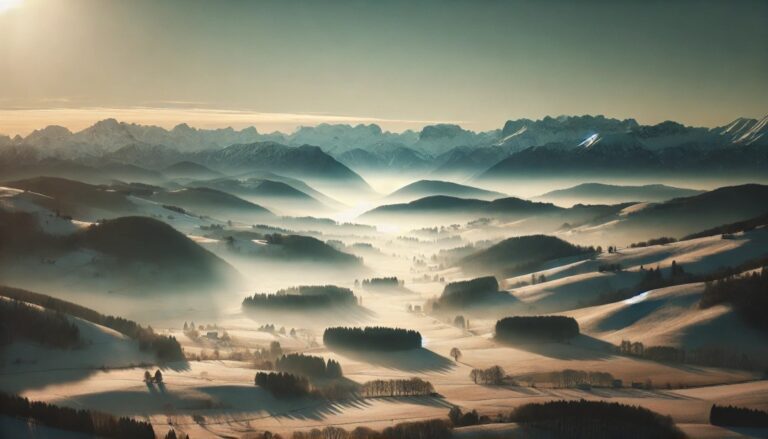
(147, 376)
(158, 376)
(455, 353)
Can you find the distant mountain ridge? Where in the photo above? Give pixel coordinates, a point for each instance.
(571, 143)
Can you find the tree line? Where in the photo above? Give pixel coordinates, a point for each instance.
(382, 282)
(372, 338)
(655, 241)
(308, 365)
(711, 356)
(41, 326)
(165, 348)
(79, 420)
(536, 328)
(303, 297)
(398, 387)
(493, 375)
(429, 429)
(569, 378)
(596, 419)
(283, 385)
(731, 416)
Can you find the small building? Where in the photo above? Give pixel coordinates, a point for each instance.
(213, 335)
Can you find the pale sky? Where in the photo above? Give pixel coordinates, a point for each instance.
(277, 64)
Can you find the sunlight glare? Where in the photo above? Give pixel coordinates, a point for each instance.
(6, 5)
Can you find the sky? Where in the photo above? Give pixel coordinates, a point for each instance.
(278, 64)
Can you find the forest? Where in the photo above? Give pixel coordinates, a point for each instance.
(382, 282)
(283, 385)
(82, 421)
(302, 297)
(470, 292)
(19, 320)
(731, 416)
(165, 348)
(595, 420)
(376, 338)
(536, 328)
(308, 365)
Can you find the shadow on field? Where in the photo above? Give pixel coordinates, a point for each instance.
(582, 347)
(413, 360)
(347, 315)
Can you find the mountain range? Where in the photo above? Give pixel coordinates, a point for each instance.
(577, 144)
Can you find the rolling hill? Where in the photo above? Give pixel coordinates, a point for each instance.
(428, 188)
(598, 193)
(521, 254)
(213, 203)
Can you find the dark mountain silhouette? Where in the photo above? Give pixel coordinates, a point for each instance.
(305, 162)
(682, 216)
(140, 253)
(619, 155)
(386, 157)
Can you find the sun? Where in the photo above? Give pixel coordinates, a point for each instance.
(6, 5)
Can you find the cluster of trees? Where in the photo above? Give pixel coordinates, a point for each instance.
(383, 282)
(42, 326)
(492, 375)
(466, 293)
(731, 416)
(303, 297)
(460, 419)
(165, 348)
(613, 268)
(400, 387)
(712, 356)
(372, 338)
(283, 384)
(746, 293)
(83, 421)
(656, 241)
(654, 278)
(595, 420)
(536, 328)
(429, 429)
(569, 378)
(173, 435)
(308, 365)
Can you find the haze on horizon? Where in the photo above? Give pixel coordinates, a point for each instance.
(281, 64)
